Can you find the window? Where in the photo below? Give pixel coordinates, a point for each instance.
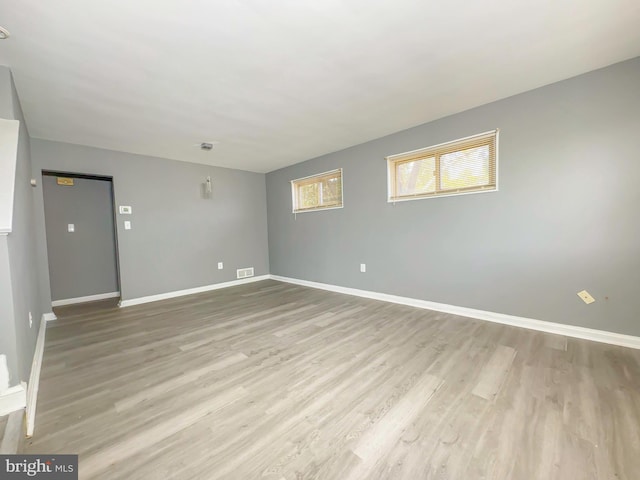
(317, 192)
(468, 165)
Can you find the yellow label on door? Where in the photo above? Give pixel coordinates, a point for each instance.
(65, 181)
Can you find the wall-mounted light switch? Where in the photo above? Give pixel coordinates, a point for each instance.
(220, 265)
(127, 225)
(71, 228)
(586, 298)
(363, 267)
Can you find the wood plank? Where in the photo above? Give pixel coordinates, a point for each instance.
(133, 444)
(493, 374)
(384, 434)
(180, 381)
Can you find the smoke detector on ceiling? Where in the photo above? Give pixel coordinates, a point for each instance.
(4, 33)
(206, 146)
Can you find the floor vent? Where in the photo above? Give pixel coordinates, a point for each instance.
(245, 272)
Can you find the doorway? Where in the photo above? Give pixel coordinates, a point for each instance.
(81, 238)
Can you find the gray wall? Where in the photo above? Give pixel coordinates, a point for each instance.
(177, 237)
(25, 291)
(6, 93)
(565, 218)
(81, 263)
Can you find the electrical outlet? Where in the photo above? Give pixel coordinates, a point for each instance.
(363, 267)
(220, 266)
(30, 320)
(586, 298)
(71, 228)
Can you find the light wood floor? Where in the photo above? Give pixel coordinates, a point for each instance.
(275, 381)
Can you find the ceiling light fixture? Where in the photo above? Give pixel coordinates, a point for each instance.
(4, 33)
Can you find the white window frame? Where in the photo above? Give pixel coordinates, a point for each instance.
(294, 199)
(391, 159)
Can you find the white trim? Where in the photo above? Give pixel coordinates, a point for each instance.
(12, 399)
(190, 291)
(318, 209)
(12, 433)
(440, 195)
(50, 316)
(4, 373)
(9, 135)
(34, 378)
(88, 298)
(530, 323)
(497, 147)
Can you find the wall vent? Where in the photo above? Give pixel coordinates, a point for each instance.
(245, 272)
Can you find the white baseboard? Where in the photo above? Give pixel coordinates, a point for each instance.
(12, 399)
(530, 323)
(34, 378)
(190, 291)
(50, 316)
(88, 298)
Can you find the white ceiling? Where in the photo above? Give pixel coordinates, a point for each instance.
(278, 82)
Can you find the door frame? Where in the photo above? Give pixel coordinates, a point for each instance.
(105, 178)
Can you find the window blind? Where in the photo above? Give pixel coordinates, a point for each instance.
(465, 165)
(317, 191)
